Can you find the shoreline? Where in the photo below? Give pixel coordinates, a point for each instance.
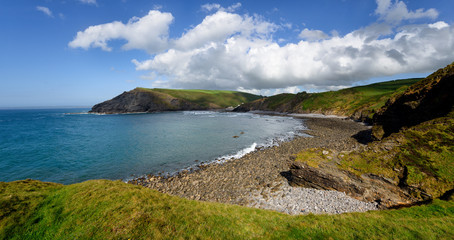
(245, 181)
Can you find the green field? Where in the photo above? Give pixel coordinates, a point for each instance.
(102, 209)
(370, 97)
(206, 98)
(361, 100)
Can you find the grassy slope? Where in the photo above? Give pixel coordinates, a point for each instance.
(347, 101)
(102, 209)
(206, 98)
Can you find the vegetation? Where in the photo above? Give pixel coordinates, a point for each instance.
(419, 157)
(426, 151)
(363, 98)
(102, 209)
(360, 102)
(206, 98)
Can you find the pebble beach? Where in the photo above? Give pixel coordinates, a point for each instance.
(258, 178)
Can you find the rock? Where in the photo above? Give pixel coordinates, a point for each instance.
(369, 188)
(139, 100)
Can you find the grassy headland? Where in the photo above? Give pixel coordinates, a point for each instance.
(104, 209)
(155, 100)
(206, 98)
(360, 102)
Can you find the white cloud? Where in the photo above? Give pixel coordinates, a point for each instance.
(293, 89)
(45, 10)
(397, 12)
(149, 33)
(232, 51)
(221, 25)
(313, 35)
(209, 7)
(439, 25)
(252, 63)
(89, 2)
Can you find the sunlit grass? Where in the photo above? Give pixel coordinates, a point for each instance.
(205, 98)
(103, 209)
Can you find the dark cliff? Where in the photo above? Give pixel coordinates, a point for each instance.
(430, 98)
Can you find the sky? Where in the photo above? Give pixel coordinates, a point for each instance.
(82, 52)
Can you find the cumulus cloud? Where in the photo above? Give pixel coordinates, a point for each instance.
(338, 61)
(89, 2)
(45, 10)
(232, 51)
(220, 26)
(397, 12)
(149, 33)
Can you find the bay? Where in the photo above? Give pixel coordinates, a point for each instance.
(69, 146)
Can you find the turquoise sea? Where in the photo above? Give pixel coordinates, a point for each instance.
(69, 145)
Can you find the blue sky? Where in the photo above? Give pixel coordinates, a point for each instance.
(81, 52)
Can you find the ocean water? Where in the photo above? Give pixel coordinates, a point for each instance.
(60, 146)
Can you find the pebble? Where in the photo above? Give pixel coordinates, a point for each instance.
(298, 200)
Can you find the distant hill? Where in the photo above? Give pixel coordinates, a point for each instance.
(152, 100)
(358, 102)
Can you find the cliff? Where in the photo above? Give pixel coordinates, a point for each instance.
(153, 100)
(430, 98)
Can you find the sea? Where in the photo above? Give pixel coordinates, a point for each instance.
(70, 145)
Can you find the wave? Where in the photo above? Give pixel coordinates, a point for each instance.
(239, 154)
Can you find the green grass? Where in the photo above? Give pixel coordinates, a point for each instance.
(280, 99)
(363, 98)
(102, 209)
(206, 98)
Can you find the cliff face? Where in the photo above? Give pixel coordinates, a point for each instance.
(430, 98)
(142, 101)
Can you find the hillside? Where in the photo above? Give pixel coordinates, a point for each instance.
(153, 100)
(104, 209)
(358, 102)
(413, 158)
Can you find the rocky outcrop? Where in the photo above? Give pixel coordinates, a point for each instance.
(143, 101)
(428, 99)
(367, 187)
